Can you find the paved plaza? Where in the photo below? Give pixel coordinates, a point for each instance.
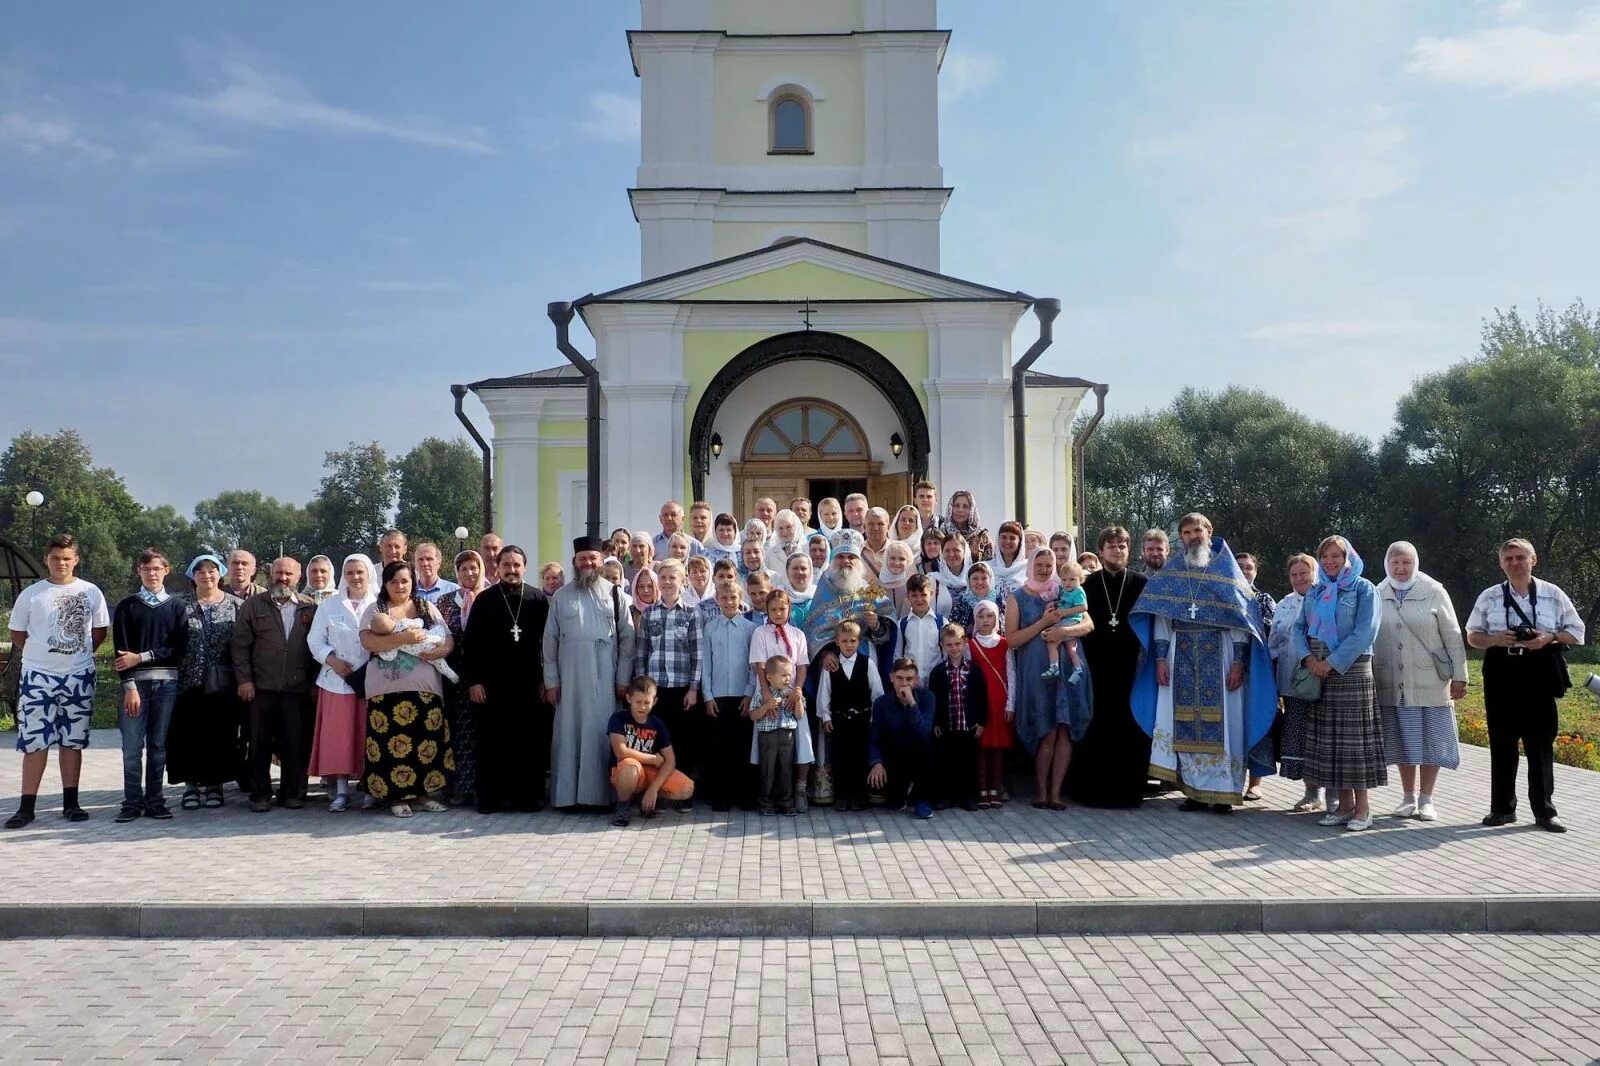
(862, 1002)
(233, 855)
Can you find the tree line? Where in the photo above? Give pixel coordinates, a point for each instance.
(428, 492)
(1505, 443)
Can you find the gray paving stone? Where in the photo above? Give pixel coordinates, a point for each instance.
(918, 918)
(456, 920)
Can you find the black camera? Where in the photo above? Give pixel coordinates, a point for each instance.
(1524, 633)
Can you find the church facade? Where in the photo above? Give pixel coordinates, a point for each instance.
(794, 335)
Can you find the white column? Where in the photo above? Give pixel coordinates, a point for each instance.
(967, 422)
(675, 105)
(675, 228)
(644, 453)
(1049, 443)
(515, 414)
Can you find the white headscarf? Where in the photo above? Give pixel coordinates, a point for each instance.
(986, 607)
(372, 577)
(798, 595)
(954, 581)
(890, 581)
(915, 539)
(1416, 575)
(822, 526)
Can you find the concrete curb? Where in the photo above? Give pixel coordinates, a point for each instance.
(802, 918)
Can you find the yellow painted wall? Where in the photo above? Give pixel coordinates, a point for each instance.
(569, 430)
(553, 462)
(803, 281)
(732, 238)
(786, 16)
(740, 119)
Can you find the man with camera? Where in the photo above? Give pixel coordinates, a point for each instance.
(1524, 627)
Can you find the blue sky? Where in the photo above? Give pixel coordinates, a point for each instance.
(363, 203)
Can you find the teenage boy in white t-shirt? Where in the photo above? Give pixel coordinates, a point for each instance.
(56, 625)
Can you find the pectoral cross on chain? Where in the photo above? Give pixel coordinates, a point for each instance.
(1194, 610)
(516, 633)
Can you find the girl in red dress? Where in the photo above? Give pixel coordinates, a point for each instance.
(993, 656)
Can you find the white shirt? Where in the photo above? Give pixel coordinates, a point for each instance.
(336, 630)
(919, 639)
(847, 663)
(1555, 612)
(765, 643)
(60, 621)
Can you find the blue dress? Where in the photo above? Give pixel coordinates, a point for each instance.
(1044, 703)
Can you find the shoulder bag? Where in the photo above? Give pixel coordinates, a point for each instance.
(1306, 686)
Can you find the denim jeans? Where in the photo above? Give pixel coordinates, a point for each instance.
(146, 731)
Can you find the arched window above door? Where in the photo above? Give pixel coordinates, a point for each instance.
(806, 429)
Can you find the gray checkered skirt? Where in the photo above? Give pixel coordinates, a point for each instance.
(1344, 736)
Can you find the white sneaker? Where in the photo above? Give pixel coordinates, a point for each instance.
(1333, 818)
(1356, 825)
(1426, 813)
(1408, 809)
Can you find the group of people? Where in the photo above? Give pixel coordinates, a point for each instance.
(842, 656)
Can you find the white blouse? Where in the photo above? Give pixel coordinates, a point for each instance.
(336, 630)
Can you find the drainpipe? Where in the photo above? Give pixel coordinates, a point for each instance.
(460, 393)
(1079, 485)
(1046, 311)
(561, 314)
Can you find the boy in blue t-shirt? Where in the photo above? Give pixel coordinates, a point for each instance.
(643, 764)
(1073, 603)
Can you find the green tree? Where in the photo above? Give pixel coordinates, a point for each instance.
(259, 524)
(1271, 480)
(79, 497)
(352, 507)
(1505, 444)
(440, 488)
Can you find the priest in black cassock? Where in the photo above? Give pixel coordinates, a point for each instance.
(1112, 761)
(504, 670)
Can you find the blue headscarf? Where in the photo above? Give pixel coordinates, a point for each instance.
(216, 561)
(1322, 601)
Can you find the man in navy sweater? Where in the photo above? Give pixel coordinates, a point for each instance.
(901, 747)
(148, 632)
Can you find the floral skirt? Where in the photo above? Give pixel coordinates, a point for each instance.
(408, 747)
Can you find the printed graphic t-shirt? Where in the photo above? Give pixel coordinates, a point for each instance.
(59, 620)
(649, 736)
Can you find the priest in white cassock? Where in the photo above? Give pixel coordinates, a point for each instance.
(1205, 690)
(588, 657)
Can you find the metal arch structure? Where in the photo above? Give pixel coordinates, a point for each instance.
(823, 347)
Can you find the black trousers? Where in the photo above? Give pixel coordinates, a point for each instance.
(847, 751)
(513, 752)
(1517, 707)
(776, 749)
(909, 767)
(277, 724)
(727, 775)
(687, 726)
(958, 765)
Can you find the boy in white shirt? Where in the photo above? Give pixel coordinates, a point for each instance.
(56, 624)
(919, 629)
(844, 707)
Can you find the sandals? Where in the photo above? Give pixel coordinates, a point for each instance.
(401, 810)
(191, 799)
(432, 806)
(1252, 795)
(213, 798)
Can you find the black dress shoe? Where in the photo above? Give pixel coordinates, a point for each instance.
(1191, 805)
(1504, 818)
(1552, 824)
(1222, 808)
(128, 814)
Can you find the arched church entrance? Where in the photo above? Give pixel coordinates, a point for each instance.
(804, 447)
(812, 414)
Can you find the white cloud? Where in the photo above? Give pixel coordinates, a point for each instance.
(966, 74)
(1518, 59)
(246, 94)
(1326, 330)
(36, 137)
(612, 117)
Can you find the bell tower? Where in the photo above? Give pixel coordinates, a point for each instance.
(768, 119)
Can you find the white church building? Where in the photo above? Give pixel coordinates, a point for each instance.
(793, 334)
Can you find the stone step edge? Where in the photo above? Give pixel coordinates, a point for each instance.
(711, 918)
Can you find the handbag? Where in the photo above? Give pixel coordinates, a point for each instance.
(357, 680)
(1306, 686)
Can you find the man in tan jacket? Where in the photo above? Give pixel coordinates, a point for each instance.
(274, 668)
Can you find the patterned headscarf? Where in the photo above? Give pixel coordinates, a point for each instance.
(1322, 600)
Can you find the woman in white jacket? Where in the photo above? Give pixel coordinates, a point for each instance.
(338, 747)
(1420, 666)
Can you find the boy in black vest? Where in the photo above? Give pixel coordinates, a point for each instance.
(844, 707)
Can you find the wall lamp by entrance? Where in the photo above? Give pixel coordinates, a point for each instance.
(896, 445)
(716, 446)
